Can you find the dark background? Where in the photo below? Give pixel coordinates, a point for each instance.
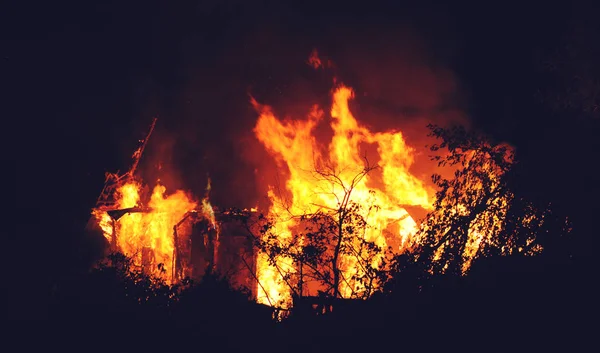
(82, 81)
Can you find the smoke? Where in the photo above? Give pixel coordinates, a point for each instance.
(399, 66)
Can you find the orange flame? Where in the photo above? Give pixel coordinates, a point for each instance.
(209, 214)
(146, 235)
(293, 144)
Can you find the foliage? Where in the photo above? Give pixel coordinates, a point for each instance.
(115, 288)
(320, 250)
(477, 211)
(324, 245)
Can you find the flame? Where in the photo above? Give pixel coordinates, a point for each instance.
(314, 60)
(488, 215)
(209, 214)
(321, 176)
(294, 145)
(207, 209)
(104, 221)
(146, 235)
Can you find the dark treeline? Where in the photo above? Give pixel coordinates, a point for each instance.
(505, 304)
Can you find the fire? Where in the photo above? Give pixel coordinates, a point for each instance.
(145, 234)
(151, 231)
(320, 175)
(209, 214)
(357, 166)
(361, 181)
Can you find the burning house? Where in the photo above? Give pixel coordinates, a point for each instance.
(367, 204)
(171, 236)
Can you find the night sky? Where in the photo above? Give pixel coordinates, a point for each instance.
(82, 82)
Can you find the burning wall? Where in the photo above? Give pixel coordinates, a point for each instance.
(167, 235)
(171, 235)
(173, 238)
(143, 228)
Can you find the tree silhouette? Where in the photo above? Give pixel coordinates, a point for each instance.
(329, 252)
(477, 212)
(114, 287)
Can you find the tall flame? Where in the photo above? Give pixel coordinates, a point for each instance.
(209, 214)
(293, 144)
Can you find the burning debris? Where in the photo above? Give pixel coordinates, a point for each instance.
(153, 229)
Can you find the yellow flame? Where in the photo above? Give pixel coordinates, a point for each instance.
(147, 237)
(209, 214)
(293, 144)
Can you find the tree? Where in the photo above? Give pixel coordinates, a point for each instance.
(115, 287)
(329, 252)
(478, 212)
